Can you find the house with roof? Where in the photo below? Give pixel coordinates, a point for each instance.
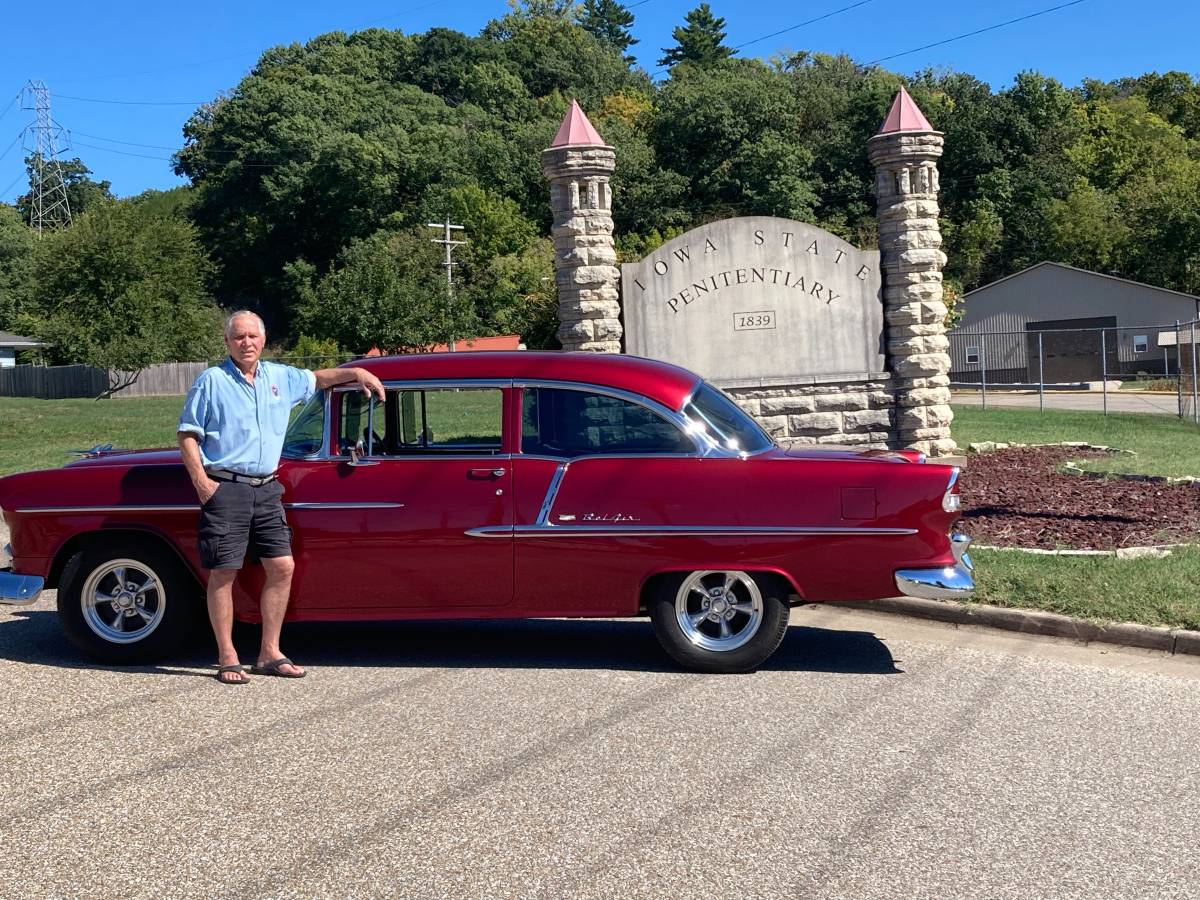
(11, 343)
(1068, 325)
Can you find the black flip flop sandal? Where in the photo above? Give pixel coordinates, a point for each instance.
(273, 668)
(239, 668)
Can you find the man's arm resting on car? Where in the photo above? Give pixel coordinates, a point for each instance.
(327, 378)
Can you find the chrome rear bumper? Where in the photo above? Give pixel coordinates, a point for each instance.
(19, 590)
(948, 583)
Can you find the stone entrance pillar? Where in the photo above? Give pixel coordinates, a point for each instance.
(578, 165)
(905, 154)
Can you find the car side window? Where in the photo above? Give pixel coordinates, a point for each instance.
(563, 422)
(423, 421)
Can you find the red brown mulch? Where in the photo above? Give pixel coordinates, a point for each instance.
(1015, 498)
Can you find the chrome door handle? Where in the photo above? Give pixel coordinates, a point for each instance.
(487, 473)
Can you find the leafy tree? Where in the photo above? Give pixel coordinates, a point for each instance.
(734, 129)
(699, 42)
(120, 290)
(83, 193)
(609, 21)
(387, 291)
(17, 243)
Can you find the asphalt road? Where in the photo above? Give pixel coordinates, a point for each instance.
(1118, 401)
(873, 757)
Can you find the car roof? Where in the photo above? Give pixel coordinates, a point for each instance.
(662, 382)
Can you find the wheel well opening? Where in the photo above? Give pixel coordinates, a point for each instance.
(87, 539)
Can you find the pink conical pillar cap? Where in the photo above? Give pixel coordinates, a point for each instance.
(576, 130)
(904, 116)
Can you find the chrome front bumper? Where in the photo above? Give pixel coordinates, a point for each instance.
(948, 583)
(19, 590)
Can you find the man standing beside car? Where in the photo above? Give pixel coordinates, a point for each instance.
(231, 436)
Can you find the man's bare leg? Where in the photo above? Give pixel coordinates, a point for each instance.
(275, 596)
(220, 614)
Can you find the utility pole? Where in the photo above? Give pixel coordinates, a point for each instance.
(449, 244)
(47, 189)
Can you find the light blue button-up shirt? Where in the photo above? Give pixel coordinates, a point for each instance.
(240, 426)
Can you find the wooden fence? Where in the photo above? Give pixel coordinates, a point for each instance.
(57, 382)
(161, 379)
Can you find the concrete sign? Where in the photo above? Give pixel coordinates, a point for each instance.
(757, 300)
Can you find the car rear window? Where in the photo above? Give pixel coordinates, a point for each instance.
(727, 424)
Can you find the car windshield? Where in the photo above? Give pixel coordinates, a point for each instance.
(726, 423)
(306, 435)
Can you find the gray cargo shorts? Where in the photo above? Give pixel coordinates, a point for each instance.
(241, 517)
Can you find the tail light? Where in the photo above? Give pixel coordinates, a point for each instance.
(952, 499)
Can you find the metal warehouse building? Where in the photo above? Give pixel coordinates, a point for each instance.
(1083, 323)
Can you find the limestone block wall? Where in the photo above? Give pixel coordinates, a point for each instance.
(860, 413)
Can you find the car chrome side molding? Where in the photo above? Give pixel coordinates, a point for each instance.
(170, 507)
(495, 531)
(336, 504)
(195, 507)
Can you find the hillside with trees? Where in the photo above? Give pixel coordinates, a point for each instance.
(313, 179)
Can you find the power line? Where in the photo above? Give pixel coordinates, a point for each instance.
(959, 37)
(11, 185)
(245, 165)
(820, 18)
(250, 51)
(827, 15)
(11, 103)
(20, 134)
(133, 102)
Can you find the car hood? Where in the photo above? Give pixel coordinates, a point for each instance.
(158, 457)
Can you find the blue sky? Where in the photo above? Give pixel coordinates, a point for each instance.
(150, 51)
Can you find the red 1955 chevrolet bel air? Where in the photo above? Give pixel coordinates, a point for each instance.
(505, 485)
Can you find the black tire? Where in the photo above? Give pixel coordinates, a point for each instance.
(153, 622)
(679, 599)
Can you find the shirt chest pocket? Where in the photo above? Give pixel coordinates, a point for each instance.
(278, 413)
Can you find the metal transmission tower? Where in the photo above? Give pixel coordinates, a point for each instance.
(47, 189)
(448, 265)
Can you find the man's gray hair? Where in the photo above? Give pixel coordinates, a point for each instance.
(262, 326)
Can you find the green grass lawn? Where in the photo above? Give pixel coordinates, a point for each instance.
(1149, 591)
(36, 434)
(1100, 588)
(1165, 445)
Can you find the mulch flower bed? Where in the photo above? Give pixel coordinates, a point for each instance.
(1015, 498)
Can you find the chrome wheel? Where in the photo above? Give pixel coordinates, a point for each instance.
(719, 611)
(123, 601)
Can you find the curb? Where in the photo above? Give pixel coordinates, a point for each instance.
(1176, 641)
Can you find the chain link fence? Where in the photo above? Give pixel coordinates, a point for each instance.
(1119, 368)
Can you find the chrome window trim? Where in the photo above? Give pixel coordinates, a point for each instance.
(676, 418)
(575, 459)
(551, 530)
(428, 384)
(449, 454)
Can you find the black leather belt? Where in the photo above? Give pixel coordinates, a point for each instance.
(252, 480)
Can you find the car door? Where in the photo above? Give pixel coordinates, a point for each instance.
(383, 521)
(603, 484)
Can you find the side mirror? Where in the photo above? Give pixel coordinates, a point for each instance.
(357, 454)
